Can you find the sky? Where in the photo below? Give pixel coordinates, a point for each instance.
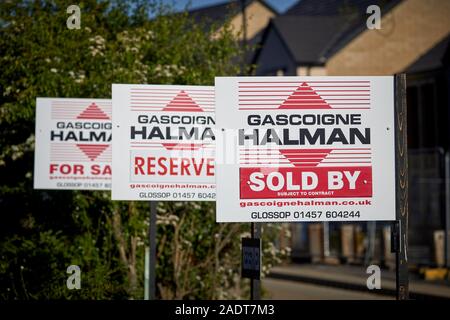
(279, 5)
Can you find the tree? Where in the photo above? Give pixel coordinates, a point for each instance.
(43, 232)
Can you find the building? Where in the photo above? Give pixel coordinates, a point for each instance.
(330, 37)
(255, 13)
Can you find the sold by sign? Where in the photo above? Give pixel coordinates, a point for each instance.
(163, 142)
(73, 144)
(306, 149)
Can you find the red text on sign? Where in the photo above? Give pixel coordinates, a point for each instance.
(79, 169)
(162, 166)
(322, 182)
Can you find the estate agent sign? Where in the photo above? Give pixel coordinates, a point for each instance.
(73, 144)
(163, 146)
(306, 149)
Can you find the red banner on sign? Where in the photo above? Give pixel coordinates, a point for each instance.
(316, 182)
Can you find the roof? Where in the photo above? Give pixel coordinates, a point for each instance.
(433, 59)
(307, 37)
(313, 31)
(219, 13)
(357, 25)
(333, 7)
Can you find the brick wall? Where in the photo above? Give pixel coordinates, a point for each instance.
(257, 16)
(408, 31)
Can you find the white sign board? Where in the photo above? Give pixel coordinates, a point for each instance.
(305, 149)
(73, 144)
(163, 142)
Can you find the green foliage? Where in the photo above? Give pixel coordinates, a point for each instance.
(43, 232)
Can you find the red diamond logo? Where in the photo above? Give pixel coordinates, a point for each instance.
(305, 157)
(182, 102)
(304, 97)
(92, 151)
(93, 112)
(182, 146)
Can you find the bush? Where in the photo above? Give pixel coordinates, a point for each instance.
(43, 232)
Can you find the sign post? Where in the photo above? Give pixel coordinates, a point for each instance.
(447, 209)
(401, 167)
(163, 149)
(255, 293)
(146, 274)
(251, 261)
(152, 251)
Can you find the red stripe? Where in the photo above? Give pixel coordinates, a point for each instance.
(149, 99)
(172, 90)
(264, 95)
(347, 99)
(340, 108)
(341, 90)
(92, 149)
(308, 107)
(244, 162)
(284, 95)
(165, 100)
(78, 103)
(304, 106)
(93, 118)
(315, 86)
(262, 158)
(278, 91)
(304, 158)
(182, 109)
(139, 104)
(146, 142)
(335, 158)
(161, 110)
(310, 81)
(303, 162)
(351, 103)
(152, 96)
(147, 107)
(258, 104)
(305, 102)
(290, 159)
(70, 111)
(315, 151)
(347, 162)
(349, 153)
(156, 147)
(306, 150)
(259, 109)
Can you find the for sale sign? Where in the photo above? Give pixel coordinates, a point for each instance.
(163, 142)
(305, 149)
(73, 144)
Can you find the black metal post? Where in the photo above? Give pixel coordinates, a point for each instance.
(255, 290)
(401, 168)
(447, 209)
(152, 245)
